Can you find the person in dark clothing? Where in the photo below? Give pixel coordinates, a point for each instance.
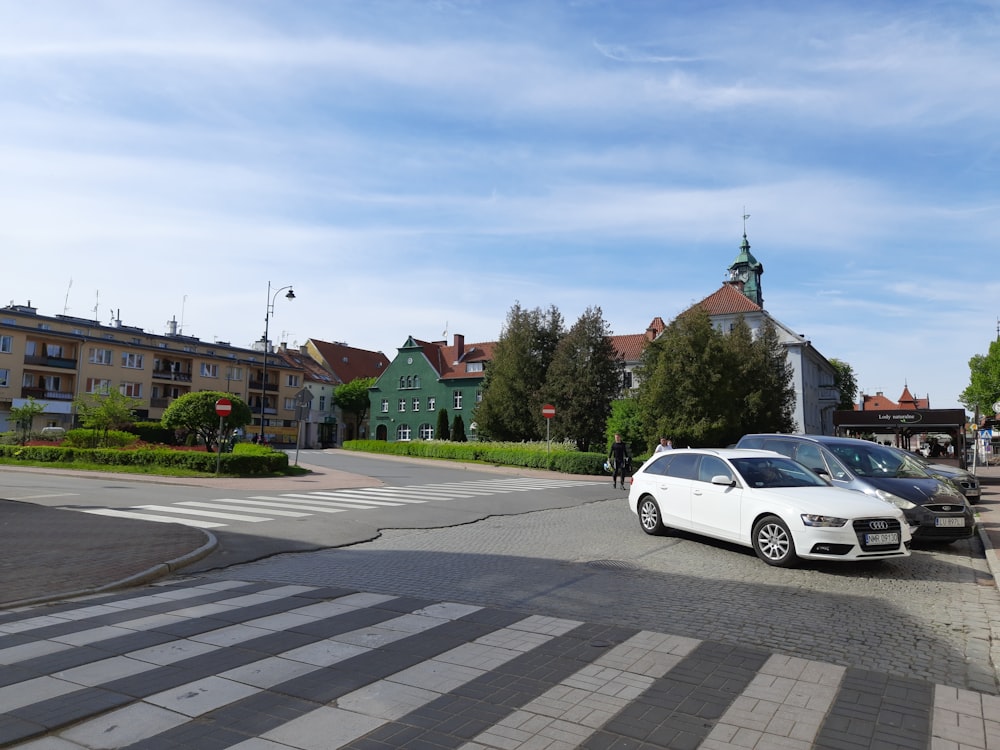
(619, 458)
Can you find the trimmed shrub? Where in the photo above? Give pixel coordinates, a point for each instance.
(83, 438)
(155, 433)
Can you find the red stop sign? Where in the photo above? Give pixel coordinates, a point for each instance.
(548, 411)
(223, 407)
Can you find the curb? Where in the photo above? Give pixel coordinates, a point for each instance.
(150, 574)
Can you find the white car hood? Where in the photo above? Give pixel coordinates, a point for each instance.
(827, 501)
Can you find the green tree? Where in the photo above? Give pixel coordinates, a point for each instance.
(101, 412)
(458, 429)
(195, 414)
(585, 376)
(846, 382)
(704, 387)
(983, 389)
(624, 420)
(442, 432)
(512, 386)
(24, 416)
(353, 399)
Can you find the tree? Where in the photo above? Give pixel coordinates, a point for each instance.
(353, 398)
(442, 432)
(846, 382)
(984, 381)
(514, 379)
(101, 412)
(195, 413)
(585, 376)
(458, 429)
(624, 420)
(24, 416)
(704, 387)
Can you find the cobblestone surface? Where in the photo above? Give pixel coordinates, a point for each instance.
(928, 616)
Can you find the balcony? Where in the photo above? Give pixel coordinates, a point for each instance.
(179, 377)
(255, 385)
(64, 363)
(159, 403)
(41, 393)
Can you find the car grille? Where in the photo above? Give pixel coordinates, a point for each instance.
(865, 526)
(945, 508)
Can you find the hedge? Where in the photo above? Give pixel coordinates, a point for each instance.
(240, 464)
(502, 454)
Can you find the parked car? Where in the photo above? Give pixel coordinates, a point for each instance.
(964, 481)
(935, 510)
(765, 501)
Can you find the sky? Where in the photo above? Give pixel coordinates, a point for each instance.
(417, 168)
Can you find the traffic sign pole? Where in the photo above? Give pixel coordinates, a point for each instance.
(223, 407)
(548, 411)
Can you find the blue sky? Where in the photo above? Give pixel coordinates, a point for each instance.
(417, 167)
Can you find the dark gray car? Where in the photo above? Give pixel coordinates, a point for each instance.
(934, 508)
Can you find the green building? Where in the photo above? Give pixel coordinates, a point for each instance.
(424, 378)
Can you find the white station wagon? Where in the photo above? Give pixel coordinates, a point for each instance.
(764, 500)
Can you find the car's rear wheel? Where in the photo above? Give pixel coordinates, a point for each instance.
(649, 516)
(772, 541)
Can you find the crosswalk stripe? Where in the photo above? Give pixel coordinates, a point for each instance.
(352, 500)
(331, 505)
(346, 495)
(147, 517)
(237, 505)
(176, 509)
(266, 505)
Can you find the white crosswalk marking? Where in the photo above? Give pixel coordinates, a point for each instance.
(364, 670)
(261, 508)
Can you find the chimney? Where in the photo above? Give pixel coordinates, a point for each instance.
(459, 346)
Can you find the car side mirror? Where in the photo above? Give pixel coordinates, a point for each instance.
(723, 480)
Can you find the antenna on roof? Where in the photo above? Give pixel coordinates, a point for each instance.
(97, 300)
(183, 303)
(444, 335)
(66, 302)
(745, 217)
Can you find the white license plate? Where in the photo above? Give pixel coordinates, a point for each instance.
(872, 539)
(949, 522)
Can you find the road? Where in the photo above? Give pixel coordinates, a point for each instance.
(280, 648)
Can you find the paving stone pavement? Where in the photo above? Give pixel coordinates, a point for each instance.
(243, 658)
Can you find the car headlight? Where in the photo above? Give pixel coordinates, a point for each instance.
(894, 500)
(811, 519)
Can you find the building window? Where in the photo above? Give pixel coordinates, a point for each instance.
(416, 404)
(402, 404)
(425, 431)
(479, 395)
(322, 403)
(385, 406)
(133, 390)
(4, 378)
(101, 356)
(290, 404)
(293, 381)
(403, 432)
(416, 381)
(132, 361)
(6, 344)
(209, 370)
(473, 366)
(234, 373)
(628, 378)
(98, 385)
(431, 403)
(402, 382)
(457, 400)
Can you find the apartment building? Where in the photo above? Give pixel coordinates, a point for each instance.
(58, 359)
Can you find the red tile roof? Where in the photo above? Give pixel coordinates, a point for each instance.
(728, 300)
(348, 363)
(314, 371)
(879, 402)
(450, 361)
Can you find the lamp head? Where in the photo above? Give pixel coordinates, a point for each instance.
(290, 295)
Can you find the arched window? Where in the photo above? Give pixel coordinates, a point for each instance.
(402, 382)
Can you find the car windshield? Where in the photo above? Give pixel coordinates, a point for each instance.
(874, 460)
(763, 471)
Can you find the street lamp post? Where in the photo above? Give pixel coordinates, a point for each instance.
(263, 375)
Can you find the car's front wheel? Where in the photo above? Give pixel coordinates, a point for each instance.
(772, 541)
(649, 516)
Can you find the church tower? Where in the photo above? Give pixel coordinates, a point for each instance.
(746, 270)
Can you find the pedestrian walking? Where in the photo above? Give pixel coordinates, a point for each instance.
(619, 458)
